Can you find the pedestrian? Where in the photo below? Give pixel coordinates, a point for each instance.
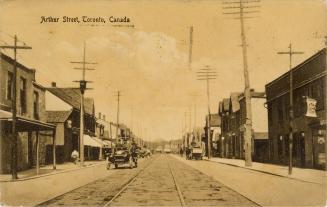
(181, 152)
(134, 152)
(75, 156)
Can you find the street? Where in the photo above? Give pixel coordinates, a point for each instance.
(162, 181)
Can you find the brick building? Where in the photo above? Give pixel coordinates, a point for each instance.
(33, 132)
(309, 133)
(233, 116)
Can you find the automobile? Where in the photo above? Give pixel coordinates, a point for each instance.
(148, 153)
(196, 153)
(167, 150)
(122, 156)
(144, 152)
(159, 149)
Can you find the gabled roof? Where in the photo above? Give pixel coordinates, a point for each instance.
(225, 104)
(57, 116)
(234, 101)
(215, 120)
(72, 96)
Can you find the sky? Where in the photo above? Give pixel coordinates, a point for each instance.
(148, 62)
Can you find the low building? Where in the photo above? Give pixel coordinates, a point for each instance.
(215, 122)
(63, 110)
(34, 134)
(309, 130)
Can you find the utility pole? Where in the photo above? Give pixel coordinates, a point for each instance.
(82, 84)
(118, 97)
(290, 52)
(207, 74)
(194, 95)
(15, 47)
(242, 7)
(190, 49)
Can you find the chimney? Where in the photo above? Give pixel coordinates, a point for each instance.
(104, 117)
(53, 84)
(99, 115)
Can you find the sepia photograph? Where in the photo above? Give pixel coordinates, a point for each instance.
(163, 103)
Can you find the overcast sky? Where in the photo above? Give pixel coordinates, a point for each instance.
(148, 63)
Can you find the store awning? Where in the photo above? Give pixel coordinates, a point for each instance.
(25, 124)
(89, 141)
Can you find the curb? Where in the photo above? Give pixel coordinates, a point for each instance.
(55, 172)
(262, 171)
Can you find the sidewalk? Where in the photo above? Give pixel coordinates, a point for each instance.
(31, 189)
(307, 175)
(47, 170)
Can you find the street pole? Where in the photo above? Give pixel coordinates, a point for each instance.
(118, 96)
(82, 88)
(207, 74)
(291, 110)
(14, 108)
(190, 49)
(239, 5)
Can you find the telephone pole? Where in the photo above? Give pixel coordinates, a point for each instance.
(82, 84)
(207, 74)
(242, 7)
(290, 52)
(15, 47)
(118, 97)
(190, 49)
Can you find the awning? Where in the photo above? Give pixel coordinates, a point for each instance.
(89, 141)
(25, 124)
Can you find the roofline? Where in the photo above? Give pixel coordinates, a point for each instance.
(297, 67)
(20, 65)
(39, 85)
(85, 113)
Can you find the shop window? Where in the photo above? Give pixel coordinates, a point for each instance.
(36, 105)
(10, 79)
(23, 95)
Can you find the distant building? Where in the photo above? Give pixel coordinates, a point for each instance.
(309, 132)
(31, 117)
(233, 116)
(215, 122)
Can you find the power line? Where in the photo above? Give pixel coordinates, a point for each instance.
(241, 8)
(290, 52)
(118, 102)
(207, 74)
(83, 87)
(14, 154)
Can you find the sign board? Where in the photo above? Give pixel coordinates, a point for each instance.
(311, 107)
(321, 140)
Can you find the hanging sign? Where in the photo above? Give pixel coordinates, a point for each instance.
(311, 107)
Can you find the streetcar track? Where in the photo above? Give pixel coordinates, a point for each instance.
(226, 186)
(126, 185)
(180, 195)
